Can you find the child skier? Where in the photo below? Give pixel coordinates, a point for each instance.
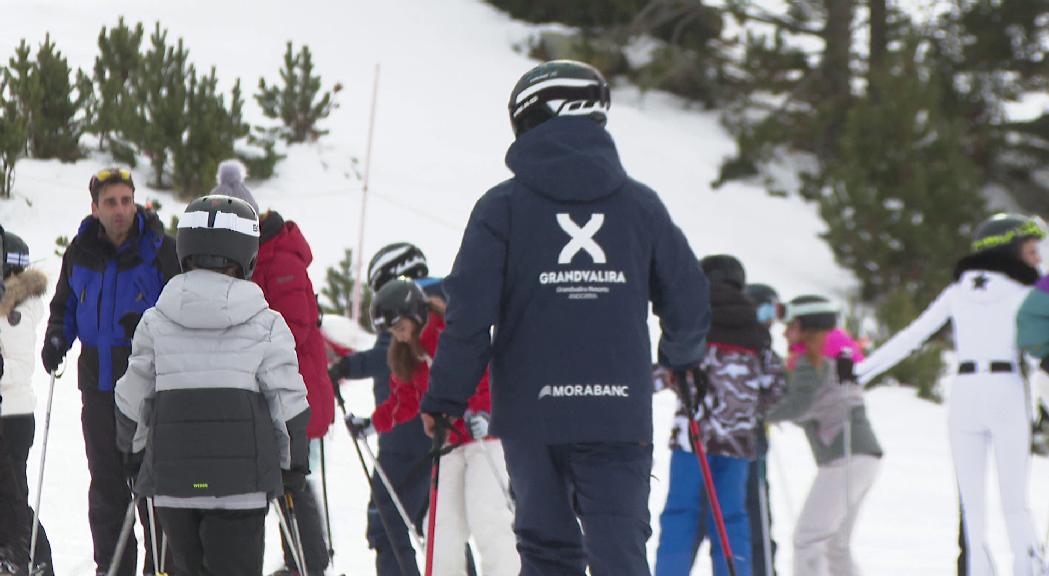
(212, 407)
(823, 398)
(473, 474)
(988, 404)
(740, 387)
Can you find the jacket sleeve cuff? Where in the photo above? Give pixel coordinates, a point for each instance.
(434, 405)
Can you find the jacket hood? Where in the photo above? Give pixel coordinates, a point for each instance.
(997, 261)
(734, 321)
(279, 235)
(204, 299)
(568, 159)
(21, 287)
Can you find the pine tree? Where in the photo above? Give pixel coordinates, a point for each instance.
(338, 291)
(59, 117)
(160, 102)
(14, 131)
(901, 199)
(298, 103)
(24, 86)
(117, 66)
(211, 132)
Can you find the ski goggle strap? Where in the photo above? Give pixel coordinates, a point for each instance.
(109, 175)
(1032, 228)
(795, 311)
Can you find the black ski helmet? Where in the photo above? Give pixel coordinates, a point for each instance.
(558, 88)
(1006, 231)
(813, 312)
(766, 300)
(16, 253)
(724, 268)
(393, 260)
(761, 294)
(217, 231)
(399, 298)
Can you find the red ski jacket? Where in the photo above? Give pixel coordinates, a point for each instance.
(405, 397)
(283, 258)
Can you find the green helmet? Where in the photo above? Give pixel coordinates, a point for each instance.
(1007, 230)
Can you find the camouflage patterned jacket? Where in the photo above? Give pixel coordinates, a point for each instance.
(744, 379)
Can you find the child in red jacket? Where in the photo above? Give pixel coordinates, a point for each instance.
(473, 474)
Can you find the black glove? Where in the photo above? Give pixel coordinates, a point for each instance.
(129, 322)
(132, 464)
(336, 374)
(1, 366)
(294, 480)
(846, 367)
(52, 353)
(359, 426)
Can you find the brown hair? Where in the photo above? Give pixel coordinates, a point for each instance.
(404, 357)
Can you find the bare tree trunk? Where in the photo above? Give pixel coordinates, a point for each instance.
(835, 71)
(879, 42)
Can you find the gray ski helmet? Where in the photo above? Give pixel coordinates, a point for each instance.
(16, 253)
(1007, 231)
(558, 88)
(724, 268)
(399, 298)
(813, 312)
(393, 260)
(216, 231)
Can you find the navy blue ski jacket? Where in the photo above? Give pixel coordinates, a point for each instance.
(563, 260)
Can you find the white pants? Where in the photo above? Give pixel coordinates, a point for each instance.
(470, 501)
(992, 410)
(824, 529)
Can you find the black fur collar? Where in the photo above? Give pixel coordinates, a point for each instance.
(993, 261)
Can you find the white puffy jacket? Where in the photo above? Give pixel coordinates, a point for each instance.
(21, 310)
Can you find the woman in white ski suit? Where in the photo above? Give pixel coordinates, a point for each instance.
(988, 403)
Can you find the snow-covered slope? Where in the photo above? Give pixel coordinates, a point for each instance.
(442, 130)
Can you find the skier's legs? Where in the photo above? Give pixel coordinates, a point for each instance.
(822, 516)
(19, 432)
(730, 482)
(413, 489)
(182, 527)
(863, 470)
(232, 542)
(490, 520)
(681, 523)
(759, 530)
(969, 443)
(451, 530)
(13, 545)
(611, 485)
(548, 536)
(1010, 436)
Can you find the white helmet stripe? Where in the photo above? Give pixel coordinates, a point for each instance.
(224, 220)
(553, 82)
(390, 256)
(809, 308)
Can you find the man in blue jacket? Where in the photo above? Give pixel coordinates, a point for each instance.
(112, 272)
(563, 260)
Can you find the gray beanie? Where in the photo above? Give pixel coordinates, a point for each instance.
(231, 182)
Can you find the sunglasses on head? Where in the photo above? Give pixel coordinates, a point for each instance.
(109, 175)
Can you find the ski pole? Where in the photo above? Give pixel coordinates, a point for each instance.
(701, 454)
(284, 520)
(125, 533)
(294, 518)
(435, 476)
(158, 569)
(402, 562)
(763, 509)
(498, 476)
(324, 491)
(40, 475)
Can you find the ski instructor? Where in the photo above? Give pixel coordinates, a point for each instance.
(563, 260)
